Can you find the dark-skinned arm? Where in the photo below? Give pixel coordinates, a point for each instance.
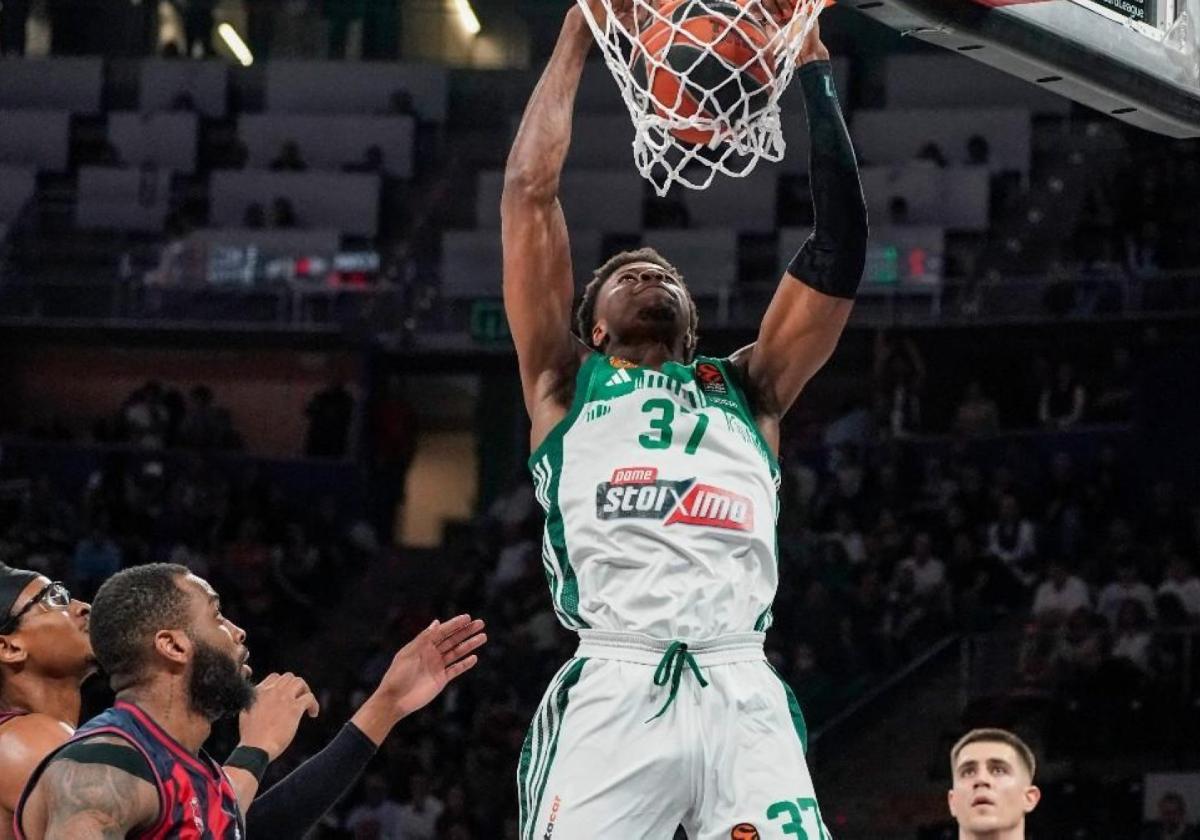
(813, 301)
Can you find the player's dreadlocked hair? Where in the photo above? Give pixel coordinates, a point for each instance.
(585, 315)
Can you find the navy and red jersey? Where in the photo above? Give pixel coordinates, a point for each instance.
(196, 800)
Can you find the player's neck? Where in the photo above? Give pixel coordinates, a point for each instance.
(1015, 833)
(56, 698)
(168, 707)
(648, 355)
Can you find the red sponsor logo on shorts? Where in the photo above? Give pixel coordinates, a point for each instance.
(554, 806)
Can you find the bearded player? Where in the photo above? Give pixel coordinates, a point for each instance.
(992, 771)
(657, 471)
(46, 652)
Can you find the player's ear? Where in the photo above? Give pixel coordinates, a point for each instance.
(599, 333)
(950, 802)
(1033, 795)
(173, 645)
(12, 651)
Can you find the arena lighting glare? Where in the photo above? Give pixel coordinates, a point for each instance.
(466, 16)
(235, 43)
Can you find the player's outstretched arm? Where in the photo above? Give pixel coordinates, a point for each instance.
(419, 672)
(93, 790)
(538, 284)
(815, 296)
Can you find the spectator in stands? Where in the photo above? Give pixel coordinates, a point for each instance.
(329, 414)
(1080, 649)
(419, 815)
(200, 428)
(14, 15)
(1115, 391)
(372, 161)
(260, 24)
(1059, 595)
(400, 103)
(289, 158)
(1063, 513)
(979, 152)
(1181, 581)
(977, 414)
(1132, 636)
(928, 572)
(283, 214)
(255, 217)
(1128, 586)
(847, 538)
(379, 817)
(932, 153)
(197, 27)
(145, 417)
(1062, 402)
(96, 559)
(899, 383)
(1011, 540)
(1172, 822)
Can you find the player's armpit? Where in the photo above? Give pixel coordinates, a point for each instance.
(798, 335)
(96, 791)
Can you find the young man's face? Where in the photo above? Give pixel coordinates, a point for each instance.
(992, 788)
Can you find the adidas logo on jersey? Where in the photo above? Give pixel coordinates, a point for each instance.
(637, 493)
(621, 377)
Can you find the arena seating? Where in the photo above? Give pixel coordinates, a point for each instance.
(155, 138)
(128, 199)
(607, 200)
(39, 138)
(315, 87)
(896, 135)
(346, 201)
(67, 84)
(330, 141)
(19, 185)
(161, 83)
(955, 197)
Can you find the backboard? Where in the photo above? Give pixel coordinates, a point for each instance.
(1134, 59)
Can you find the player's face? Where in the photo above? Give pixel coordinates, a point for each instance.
(52, 635)
(641, 300)
(992, 789)
(219, 676)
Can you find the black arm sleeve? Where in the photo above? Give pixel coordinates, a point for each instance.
(297, 802)
(832, 259)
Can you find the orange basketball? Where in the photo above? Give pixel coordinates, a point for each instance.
(707, 60)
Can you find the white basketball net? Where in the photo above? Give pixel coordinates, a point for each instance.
(737, 122)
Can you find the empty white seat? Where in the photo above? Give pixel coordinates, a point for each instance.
(166, 139)
(348, 202)
(955, 197)
(742, 204)
(162, 82)
(68, 84)
(354, 87)
(896, 135)
(605, 200)
(111, 198)
(330, 142)
(35, 138)
(17, 186)
(472, 261)
(961, 83)
(708, 258)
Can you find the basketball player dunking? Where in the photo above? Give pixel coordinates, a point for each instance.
(657, 471)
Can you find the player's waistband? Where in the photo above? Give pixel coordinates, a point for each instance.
(644, 650)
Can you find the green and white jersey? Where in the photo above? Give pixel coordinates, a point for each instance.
(661, 500)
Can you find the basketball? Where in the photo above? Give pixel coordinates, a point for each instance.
(704, 60)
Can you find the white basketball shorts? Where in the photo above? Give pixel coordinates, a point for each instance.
(635, 737)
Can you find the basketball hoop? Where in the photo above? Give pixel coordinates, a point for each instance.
(702, 81)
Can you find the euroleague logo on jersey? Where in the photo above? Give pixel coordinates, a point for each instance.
(712, 381)
(638, 493)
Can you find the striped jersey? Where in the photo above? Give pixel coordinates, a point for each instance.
(196, 800)
(661, 499)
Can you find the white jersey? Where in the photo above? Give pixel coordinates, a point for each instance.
(661, 500)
